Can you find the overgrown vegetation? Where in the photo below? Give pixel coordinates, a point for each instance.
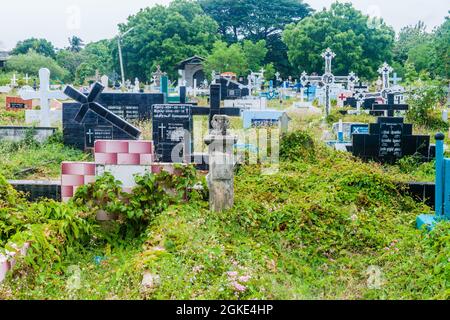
(317, 229)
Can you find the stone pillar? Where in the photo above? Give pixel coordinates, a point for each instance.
(221, 164)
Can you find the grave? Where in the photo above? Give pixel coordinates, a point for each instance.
(328, 79)
(44, 95)
(389, 140)
(442, 192)
(232, 89)
(266, 118)
(172, 127)
(86, 121)
(247, 104)
(19, 133)
(34, 116)
(16, 104)
(389, 108)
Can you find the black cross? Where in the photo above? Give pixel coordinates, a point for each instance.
(214, 106)
(88, 103)
(390, 107)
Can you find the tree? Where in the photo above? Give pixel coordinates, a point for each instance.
(407, 39)
(76, 44)
(40, 46)
(258, 20)
(32, 62)
(255, 54)
(226, 59)
(360, 45)
(165, 36)
(441, 54)
(70, 61)
(240, 58)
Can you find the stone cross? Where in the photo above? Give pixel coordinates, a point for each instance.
(395, 79)
(390, 107)
(156, 76)
(385, 71)
(328, 79)
(14, 81)
(221, 164)
(44, 95)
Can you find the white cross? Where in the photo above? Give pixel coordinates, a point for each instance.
(162, 127)
(44, 95)
(396, 79)
(328, 79)
(26, 79)
(385, 70)
(14, 80)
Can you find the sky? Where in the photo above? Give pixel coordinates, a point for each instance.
(93, 20)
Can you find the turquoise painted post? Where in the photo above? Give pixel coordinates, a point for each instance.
(439, 174)
(442, 186)
(341, 132)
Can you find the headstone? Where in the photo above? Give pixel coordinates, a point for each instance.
(221, 161)
(247, 104)
(232, 89)
(172, 132)
(105, 81)
(389, 140)
(87, 121)
(267, 118)
(44, 95)
(15, 104)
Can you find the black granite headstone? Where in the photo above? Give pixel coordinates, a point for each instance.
(232, 90)
(389, 140)
(88, 121)
(172, 127)
(131, 106)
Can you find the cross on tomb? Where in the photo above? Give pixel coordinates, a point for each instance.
(328, 79)
(215, 109)
(90, 133)
(342, 97)
(14, 81)
(44, 95)
(390, 107)
(162, 127)
(385, 71)
(395, 80)
(89, 103)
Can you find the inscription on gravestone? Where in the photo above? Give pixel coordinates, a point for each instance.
(391, 140)
(93, 133)
(172, 124)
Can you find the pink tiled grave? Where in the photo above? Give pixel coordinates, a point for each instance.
(74, 175)
(120, 152)
(123, 159)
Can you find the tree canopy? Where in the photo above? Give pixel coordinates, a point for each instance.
(258, 20)
(165, 36)
(360, 45)
(40, 46)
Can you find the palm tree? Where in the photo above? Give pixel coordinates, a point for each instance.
(76, 44)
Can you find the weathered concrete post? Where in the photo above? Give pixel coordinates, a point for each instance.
(221, 164)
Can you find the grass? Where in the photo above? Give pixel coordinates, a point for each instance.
(36, 161)
(326, 226)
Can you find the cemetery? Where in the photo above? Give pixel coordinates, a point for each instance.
(220, 174)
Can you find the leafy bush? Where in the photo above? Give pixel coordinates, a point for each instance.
(297, 146)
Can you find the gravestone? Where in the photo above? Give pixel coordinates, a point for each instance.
(266, 118)
(172, 132)
(232, 89)
(16, 104)
(131, 106)
(87, 120)
(390, 107)
(389, 140)
(44, 95)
